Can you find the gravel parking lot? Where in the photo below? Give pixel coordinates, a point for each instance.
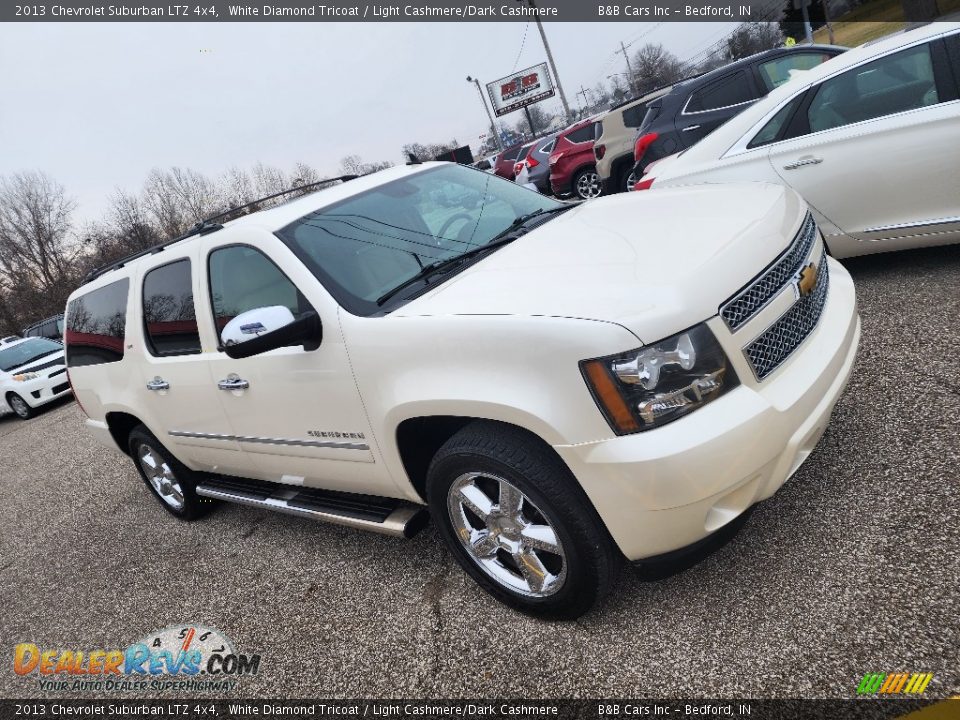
(852, 567)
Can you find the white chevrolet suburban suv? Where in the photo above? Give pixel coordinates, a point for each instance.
(562, 386)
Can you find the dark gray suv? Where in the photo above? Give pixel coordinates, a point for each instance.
(698, 106)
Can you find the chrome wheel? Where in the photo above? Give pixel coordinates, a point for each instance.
(631, 181)
(160, 476)
(588, 185)
(19, 406)
(506, 535)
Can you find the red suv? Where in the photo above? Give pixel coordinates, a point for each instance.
(506, 160)
(573, 169)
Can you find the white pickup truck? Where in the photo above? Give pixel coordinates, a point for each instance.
(561, 387)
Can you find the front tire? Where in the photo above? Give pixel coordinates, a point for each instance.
(20, 407)
(628, 179)
(519, 524)
(172, 483)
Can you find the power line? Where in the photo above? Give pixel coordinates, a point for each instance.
(522, 43)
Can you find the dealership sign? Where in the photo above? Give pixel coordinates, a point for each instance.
(520, 89)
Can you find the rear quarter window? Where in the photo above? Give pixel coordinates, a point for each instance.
(584, 134)
(96, 325)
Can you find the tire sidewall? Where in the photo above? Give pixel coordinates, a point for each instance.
(576, 182)
(193, 505)
(10, 402)
(578, 591)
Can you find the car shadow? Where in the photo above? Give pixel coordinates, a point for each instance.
(10, 418)
(913, 261)
(665, 566)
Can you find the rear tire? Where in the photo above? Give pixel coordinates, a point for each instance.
(586, 184)
(518, 522)
(172, 483)
(20, 407)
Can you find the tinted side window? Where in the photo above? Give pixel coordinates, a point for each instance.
(632, 117)
(730, 90)
(776, 72)
(168, 313)
(901, 81)
(581, 135)
(511, 153)
(771, 130)
(243, 278)
(96, 325)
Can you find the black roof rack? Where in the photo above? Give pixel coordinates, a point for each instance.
(206, 226)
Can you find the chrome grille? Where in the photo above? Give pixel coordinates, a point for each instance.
(744, 305)
(767, 352)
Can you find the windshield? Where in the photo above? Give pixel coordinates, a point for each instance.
(26, 352)
(363, 247)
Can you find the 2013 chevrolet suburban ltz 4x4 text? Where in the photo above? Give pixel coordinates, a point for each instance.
(564, 387)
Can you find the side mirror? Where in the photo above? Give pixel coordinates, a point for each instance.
(262, 329)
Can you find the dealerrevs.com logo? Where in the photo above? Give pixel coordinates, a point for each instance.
(179, 657)
(894, 683)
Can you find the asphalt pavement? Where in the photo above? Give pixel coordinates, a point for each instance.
(852, 567)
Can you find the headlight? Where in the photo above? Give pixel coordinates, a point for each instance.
(23, 377)
(649, 387)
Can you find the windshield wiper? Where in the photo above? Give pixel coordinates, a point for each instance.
(441, 265)
(507, 235)
(527, 217)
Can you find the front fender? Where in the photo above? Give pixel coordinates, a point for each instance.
(519, 370)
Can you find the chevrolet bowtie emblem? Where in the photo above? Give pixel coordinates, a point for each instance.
(806, 280)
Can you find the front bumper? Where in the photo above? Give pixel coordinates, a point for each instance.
(41, 390)
(665, 489)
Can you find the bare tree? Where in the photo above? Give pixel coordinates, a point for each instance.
(541, 120)
(750, 38)
(37, 248)
(128, 221)
(654, 67)
(355, 165)
(428, 151)
(268, 180)
(35, 223)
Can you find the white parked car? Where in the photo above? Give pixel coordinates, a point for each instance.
(871, 139)
(562, 386)
(32, 373)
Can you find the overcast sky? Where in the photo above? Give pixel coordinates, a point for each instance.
(97, 105)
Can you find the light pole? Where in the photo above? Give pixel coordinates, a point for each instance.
(553, 65)
(493, 125)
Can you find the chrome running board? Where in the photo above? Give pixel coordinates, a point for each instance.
(381, 515)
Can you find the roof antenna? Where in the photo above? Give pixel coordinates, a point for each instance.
(414, 160)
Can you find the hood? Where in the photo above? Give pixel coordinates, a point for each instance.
(55, 359)
(653, 262)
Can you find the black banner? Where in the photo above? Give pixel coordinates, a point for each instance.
(384, 10)
(122, 709)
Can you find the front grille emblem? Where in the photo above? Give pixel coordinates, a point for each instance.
(805, 281)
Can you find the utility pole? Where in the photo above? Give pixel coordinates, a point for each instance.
(493, 125)
(586, 100)
(553, 65)
(623, 49)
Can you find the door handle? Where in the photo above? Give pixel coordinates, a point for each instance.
(158, 383)
(688, 128)
(233, 382)
(809, 160)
